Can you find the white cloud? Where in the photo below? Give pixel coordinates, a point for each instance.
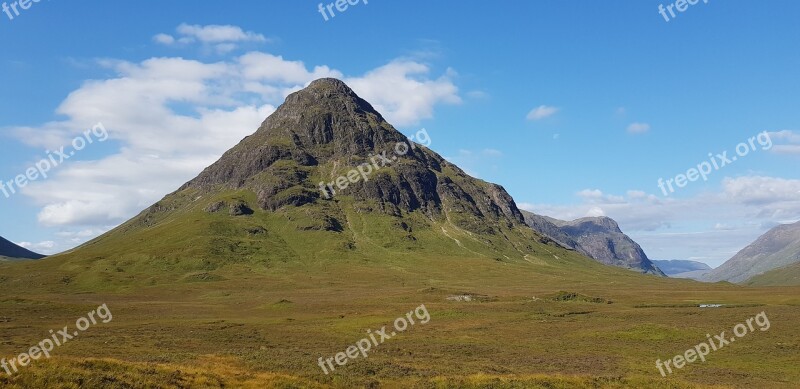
(597, 196)
(44, 247)
(590, 194)
(402, 91)
(791, 139)
(638, 128)
(164, 39)
(708, 224)
(168, 118)
(264, 67)
(595, 212)
(775, 198)
(222, 39)
(541, 112)
(218, 34)
(787, 135)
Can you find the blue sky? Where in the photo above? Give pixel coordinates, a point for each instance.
(576, 107)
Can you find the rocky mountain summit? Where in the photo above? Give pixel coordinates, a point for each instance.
(323, 131)
(597, 237)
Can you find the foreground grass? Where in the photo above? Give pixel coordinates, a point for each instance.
(208, 301)
(213, 372)
(243, 326)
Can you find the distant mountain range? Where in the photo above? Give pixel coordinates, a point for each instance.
(599, 238)
(677, 268)
(11, 251)
(777, 248)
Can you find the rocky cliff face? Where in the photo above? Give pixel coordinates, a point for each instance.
(547, 226)
(597, 237)
(777, 248)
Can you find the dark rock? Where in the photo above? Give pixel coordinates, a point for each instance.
(240, 209)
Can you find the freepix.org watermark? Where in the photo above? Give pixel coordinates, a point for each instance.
(341, 6)
(715, 162)
(680, 5)
(376, 162)
(362, 346)
(40, 169)
(57, 338)
(23, 5)
(718, 342)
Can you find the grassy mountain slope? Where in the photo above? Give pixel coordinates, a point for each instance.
(784, 276)
(777, 248)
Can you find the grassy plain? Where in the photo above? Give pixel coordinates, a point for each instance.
(201, 301)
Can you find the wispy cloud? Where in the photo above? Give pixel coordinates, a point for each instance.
(638, 128)
(222, 39)
(45, 247)
(542, 112)
(790, 142)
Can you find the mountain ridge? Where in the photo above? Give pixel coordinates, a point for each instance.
(12, 251)
(599, 238)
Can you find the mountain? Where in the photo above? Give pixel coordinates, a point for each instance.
(777, 248)
(10, 251)
(599, 238)
(324, 178)
(677, 268)
(784, 276)
(549, 227)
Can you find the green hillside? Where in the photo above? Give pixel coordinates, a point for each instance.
(785, 276)
(263, 321)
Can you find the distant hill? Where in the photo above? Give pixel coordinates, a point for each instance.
(11, 251)
(779, 247)
(678, 268)
(599, 238)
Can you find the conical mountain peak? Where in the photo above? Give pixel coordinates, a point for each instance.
(304, 157)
